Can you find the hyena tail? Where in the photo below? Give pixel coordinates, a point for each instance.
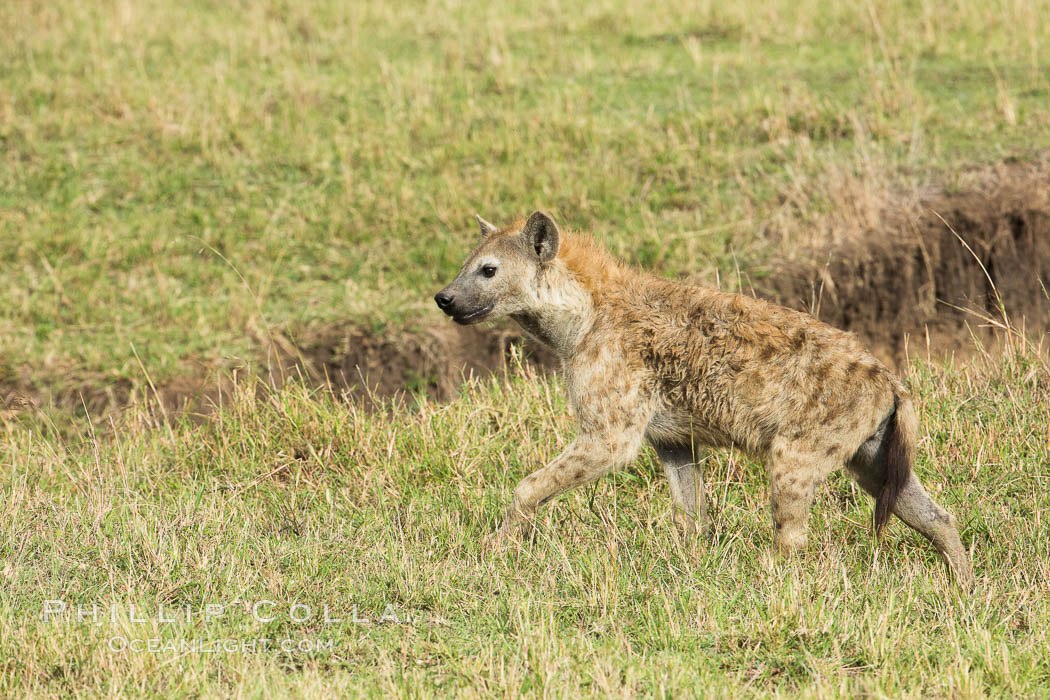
(900, 452)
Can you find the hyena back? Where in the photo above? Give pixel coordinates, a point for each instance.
(686, 367)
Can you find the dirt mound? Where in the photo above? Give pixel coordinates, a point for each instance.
(350, 361)
(366, 366)
(434, 359)
(933, 266)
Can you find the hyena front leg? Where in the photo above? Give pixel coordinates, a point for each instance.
(687, 487)
(585, 460)
(796, 470)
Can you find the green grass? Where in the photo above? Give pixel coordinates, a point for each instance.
(183, 177)
(300, 499)
(180, 182)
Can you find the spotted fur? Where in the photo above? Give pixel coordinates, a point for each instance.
(684, 367)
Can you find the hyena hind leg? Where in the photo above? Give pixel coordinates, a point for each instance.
(796, 471)
(687, 488)
(914, 506)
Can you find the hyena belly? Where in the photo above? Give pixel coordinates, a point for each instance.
(677, 426)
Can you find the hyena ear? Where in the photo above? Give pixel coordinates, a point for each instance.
(487, 229)
(542, 233)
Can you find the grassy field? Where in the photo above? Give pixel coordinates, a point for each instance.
(181, 183)
(188, 178)
(302, 500)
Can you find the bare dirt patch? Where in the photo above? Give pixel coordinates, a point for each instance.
(351, 361)
(905, 277)
(433, 359)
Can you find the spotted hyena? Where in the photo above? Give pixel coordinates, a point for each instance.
(686, 367)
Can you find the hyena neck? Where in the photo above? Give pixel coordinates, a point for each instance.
(567, 293)
(561, 312)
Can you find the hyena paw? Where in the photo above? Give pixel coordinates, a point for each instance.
(693, 528)
(496, 542)
(787, 542)
(685, 523)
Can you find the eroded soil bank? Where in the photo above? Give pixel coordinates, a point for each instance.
(939, 266)
(920, 271)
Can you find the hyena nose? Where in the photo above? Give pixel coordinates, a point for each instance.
(444, 301)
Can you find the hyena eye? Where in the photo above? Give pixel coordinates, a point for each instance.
(489, 270)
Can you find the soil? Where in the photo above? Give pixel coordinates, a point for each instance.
(435, 359)
(925, 272)
(938, 270)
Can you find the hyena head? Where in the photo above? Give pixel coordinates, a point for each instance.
(499, 277)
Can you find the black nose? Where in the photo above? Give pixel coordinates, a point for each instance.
(444, 301)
